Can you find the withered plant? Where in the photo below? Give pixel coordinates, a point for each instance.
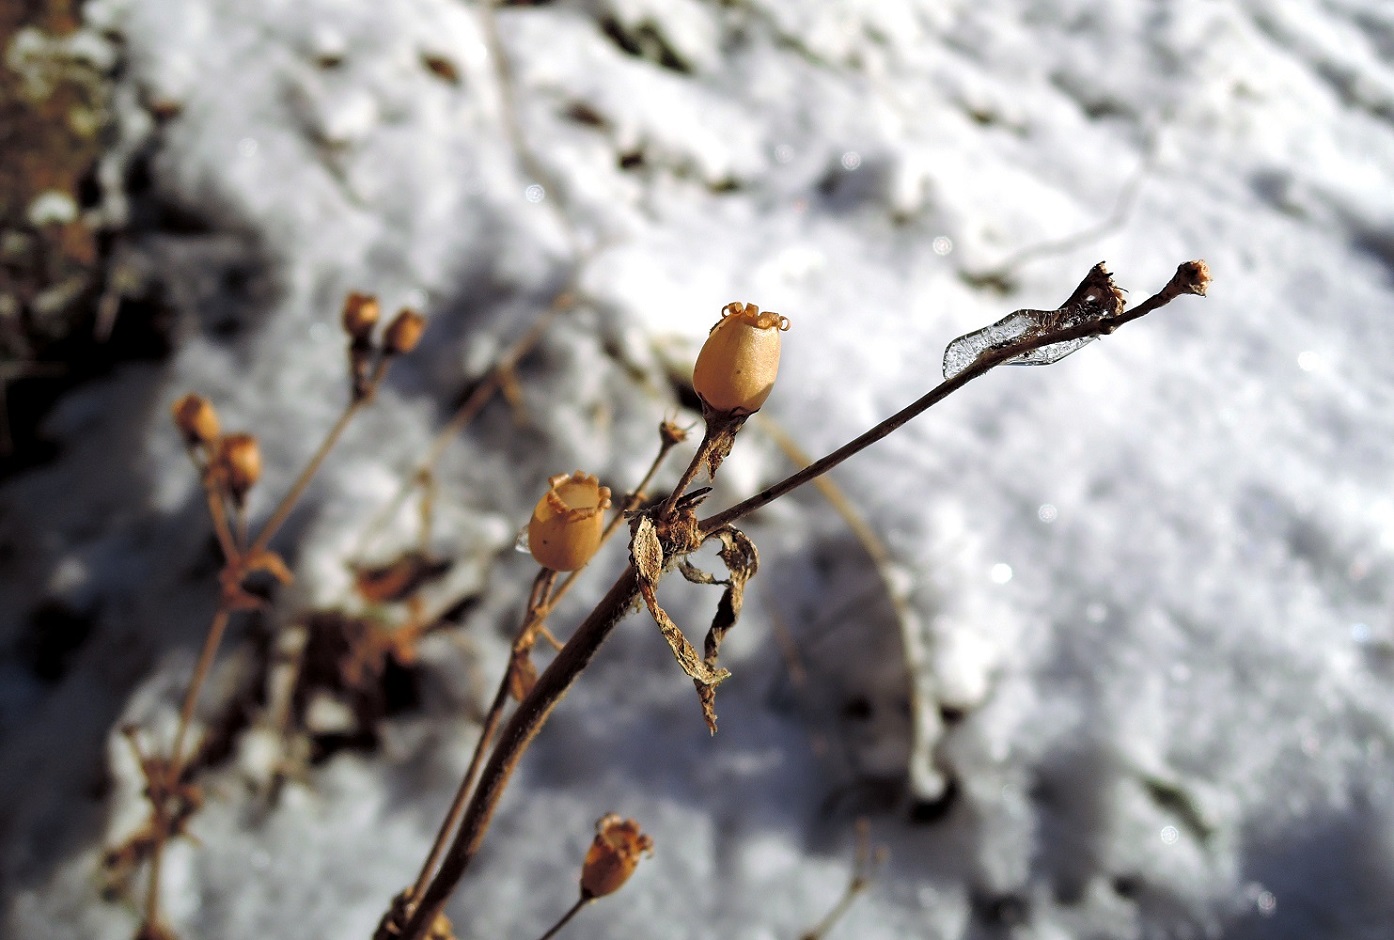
(733, 376)
(229, 466)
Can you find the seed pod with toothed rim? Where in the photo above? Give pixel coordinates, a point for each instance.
(238, 463)
(404, 332)
(566, 524)
(360, 315)
(736, 368)
(613, 856)
(196, 419)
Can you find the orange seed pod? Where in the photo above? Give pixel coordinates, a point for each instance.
(404, 332)
(238, 463)
(565, 528)
(360, 315)
(196, 419)
(737, 366)
(613, 856)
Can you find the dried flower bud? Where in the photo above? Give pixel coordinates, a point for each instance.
(196, 419)
(736, 368)
(671, 434)
(238, 463)
(404, 332)
(566, 524)
(613, 856)
(360, 315)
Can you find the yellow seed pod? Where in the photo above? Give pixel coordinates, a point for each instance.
(196, 419)
(566, 524)
(737, 366)
(613, 856)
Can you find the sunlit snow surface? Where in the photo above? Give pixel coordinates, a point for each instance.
(1148, 589)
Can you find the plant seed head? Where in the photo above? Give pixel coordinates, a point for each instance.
(567, 522)
(238, 463)
(404, 332)
(360, 315)
(196, 419)
(736, 368)
(613, 856)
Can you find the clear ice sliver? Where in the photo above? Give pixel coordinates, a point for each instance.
(1096, 298)
(1013, 328)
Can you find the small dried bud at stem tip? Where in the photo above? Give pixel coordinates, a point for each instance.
(196, 419)
(613, 856)
(404, 332)
(238, 463)
(360, 315)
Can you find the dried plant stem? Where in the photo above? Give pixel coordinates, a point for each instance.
(175, 770)
(540, 604)
(532, 616)
(709, 442)
(514, 739)
(566, 918)
(283, 509)
(586, 641)
(217, 511)
(473, 404)
(236, 560)
(1181, 283)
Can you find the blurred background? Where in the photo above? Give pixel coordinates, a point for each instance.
(1099, 650)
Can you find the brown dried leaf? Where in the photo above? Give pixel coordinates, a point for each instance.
(646, 551)
(398, 579)
(742, 560)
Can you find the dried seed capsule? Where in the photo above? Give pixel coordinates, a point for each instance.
(238, 463)
(404, 332)
(196, 419)
(360, 315)
(736, 368)
(565, 528)
(613, 856)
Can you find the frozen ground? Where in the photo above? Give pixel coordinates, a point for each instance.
(1149, 588)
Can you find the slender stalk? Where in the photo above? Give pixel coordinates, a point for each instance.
(283, 509)
(217, 510)
(566, 918)
(1181, 283)
(175, 769)
(186, 713)
(537, 605)
(527, 720)
(540, 604)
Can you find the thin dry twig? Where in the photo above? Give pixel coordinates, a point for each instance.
(864, 866)
(566, 918)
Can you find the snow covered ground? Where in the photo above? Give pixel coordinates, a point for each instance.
(1151, 654)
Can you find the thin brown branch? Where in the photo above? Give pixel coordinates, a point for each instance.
(176, 759)
(513, 741)
(283, 509)
(532, 616)
(566, 918)
(1189, 278)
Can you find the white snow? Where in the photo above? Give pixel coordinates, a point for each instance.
(1147, 688)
